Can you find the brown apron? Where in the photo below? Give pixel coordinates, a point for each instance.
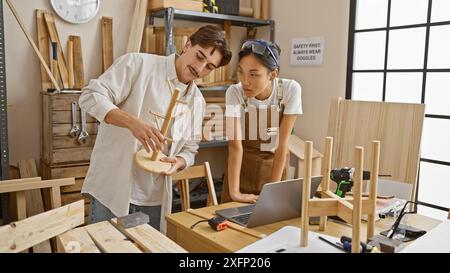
(256, 167)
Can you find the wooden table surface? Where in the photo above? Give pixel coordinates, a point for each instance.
(204, 239)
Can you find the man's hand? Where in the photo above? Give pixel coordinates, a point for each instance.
(151, 138)
(244, 198)
(177, 164)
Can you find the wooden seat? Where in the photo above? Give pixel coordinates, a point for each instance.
(449, 214)
(192, 173)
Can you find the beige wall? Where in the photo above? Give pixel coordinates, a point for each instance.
(312, 18)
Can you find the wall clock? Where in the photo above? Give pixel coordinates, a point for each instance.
(76, 11)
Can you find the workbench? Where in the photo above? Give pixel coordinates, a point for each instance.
(203, 239)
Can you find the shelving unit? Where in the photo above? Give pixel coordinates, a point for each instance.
(170, 14)
(4, 152)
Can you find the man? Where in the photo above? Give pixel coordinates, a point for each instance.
(127, 100)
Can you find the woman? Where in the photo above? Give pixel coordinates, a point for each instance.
(260, 111)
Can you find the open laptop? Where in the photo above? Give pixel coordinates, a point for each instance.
(278, 201)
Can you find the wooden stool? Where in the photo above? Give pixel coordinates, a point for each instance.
(349, 209)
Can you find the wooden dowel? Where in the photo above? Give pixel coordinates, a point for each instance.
(326, 175)
(168, 118)
(373, 188)
(306, 192)
(357, 199)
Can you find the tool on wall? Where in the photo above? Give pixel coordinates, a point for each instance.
(82, 138)
(75, 129)
(55, 60)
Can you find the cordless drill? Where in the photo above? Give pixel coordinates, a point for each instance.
(344, 179)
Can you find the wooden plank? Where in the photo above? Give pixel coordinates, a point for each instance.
(75, 171)
(184, 5)
(398, 126)
(44, 48)
(137, 26)
(71, 155)
(64, 129)
(76, 241)
(26, 184)
(62, 102)
(68, 142)
(150, 239)
(34, 202)
(107, 42)
(73, 188)
(265, 9)
(63, 117)
(78, 62)
(54, 37)
(323, 207)
(68, 198)
(24, 234)
(110, 240)
(70, 63)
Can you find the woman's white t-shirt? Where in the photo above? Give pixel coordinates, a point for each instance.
(292, 99)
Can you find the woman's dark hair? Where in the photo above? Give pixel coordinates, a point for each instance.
(212, 36)
(267, 59)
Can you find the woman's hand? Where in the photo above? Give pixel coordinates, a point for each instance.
(244, 198)
(178, 163)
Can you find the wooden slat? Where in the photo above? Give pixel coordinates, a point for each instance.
(68, 198)
(323, 207)
(70, 63)
(71, 155)
(76, 241)
(64, 129)
(34, 202)
(54, 37)
(107, 42)
(109, 239)
(73, 188)
(345, 211)
(149, 239)
(32, 184)
(68, 142)
(62, 102)
(137, 26)
(78, 62)
(44, 48)
(63, 117)
(75, 171)
(24, 234)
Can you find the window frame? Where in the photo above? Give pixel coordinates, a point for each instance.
(385, 70)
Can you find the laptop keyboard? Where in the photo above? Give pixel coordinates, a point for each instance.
(241, 218)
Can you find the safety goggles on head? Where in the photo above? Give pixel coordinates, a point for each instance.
(261, 48)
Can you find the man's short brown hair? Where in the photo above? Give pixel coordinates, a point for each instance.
(212, 36)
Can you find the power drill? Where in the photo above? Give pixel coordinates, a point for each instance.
(344, 178)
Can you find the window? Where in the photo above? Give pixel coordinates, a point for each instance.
(399, 52)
